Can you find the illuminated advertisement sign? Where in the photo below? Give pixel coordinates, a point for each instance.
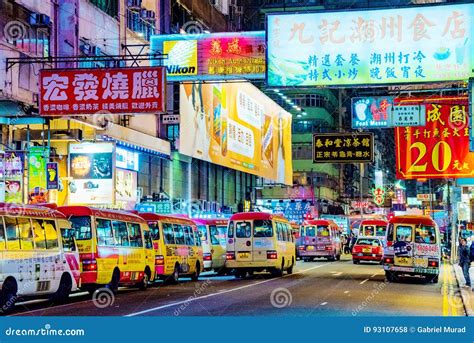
(416, 44)
(381, 112)
(126, 189)
(212, 56)
(126, 159)
(37, 158)
(343, 147)
(91, 171)
(439, 149)
(14, 170)
(237, 126)
(108, 90)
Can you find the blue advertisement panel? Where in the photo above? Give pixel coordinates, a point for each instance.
(415, 44)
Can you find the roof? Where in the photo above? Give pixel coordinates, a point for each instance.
(99, 212)
(374, 222)
(148, 216)
(410, 219)
(319, 222)
(211, 221)
(256, 215)
(29, 211)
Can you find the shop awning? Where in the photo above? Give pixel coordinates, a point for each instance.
(136, 140)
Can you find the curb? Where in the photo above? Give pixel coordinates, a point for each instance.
(465, 294)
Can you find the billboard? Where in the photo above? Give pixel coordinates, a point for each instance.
(91, 171)
(237, 126)
(14, 170)
(127, 159)
(440, 149)
(343, 147)
(52, 175)
(126, 189)
(109, 90)
(382, 112)
(212, 56)
(413, 44)
(37, 158)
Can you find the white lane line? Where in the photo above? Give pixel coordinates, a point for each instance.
(346, 292)
(324, 303)
(375, 274)
(338, 274)
(218, 293)
(364, 281)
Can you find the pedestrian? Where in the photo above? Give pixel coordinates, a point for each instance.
(465, 261)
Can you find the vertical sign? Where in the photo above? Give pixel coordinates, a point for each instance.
(37, 192)
(14, 170)
(52, 181)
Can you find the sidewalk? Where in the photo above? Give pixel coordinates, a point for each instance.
(466, 294)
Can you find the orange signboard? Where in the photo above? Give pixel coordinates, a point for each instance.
(441, 148)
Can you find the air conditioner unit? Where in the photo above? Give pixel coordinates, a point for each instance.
(134, 5)
(148, 15)
(39, 19)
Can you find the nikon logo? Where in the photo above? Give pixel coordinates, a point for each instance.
(176, 69)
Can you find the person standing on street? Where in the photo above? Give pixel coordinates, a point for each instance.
(465, 261)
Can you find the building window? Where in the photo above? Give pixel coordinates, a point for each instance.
(108, 6)
(172, 132)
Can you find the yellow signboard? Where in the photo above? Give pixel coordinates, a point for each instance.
(182, 57)
(237, 126)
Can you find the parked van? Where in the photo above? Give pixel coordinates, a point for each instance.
(320, 238)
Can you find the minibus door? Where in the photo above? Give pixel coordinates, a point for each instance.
(243, 241)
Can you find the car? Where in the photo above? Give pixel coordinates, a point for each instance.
(367, 248)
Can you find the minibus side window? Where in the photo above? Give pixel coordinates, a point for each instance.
(262, 228)
(168, 233)
(148, 239)
(2, 234)
(51, 234)
(390, 233)
(67, 235)
(13, 237)
(178, 234)
(403, 233)
(121, 233)
(154, 230)
(203, 232)
(197, 237)
(284, 230)
(26, 234)
(135, 234)
(425, 234)
(221, 235)
(188, 235)
(82, 227)
(230, 230)
(105, 235)
(213, 234)
(243, 230)
(279, 231)
(39, 234)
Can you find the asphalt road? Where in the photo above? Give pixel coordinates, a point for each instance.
(314, 289)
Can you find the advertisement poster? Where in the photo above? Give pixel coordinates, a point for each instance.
(440, 149)
(343, 147)
(112, 90)
(37, 159)
(417, 44)
(126, 159)
(52, 180)
(126, 189)
(237, 126)
(212, 56)
(14, 170)
(92, 173)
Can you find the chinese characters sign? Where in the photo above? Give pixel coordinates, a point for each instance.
(114, 90)
(418, 44)
(440, 148)
(379, 195)
(380, 112)
(236, 125)
(343, 147)
(213, 56)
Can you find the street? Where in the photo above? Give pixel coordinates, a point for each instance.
(317, 288)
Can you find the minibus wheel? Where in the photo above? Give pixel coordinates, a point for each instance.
(64, 289)
(196, 273)
(174, 278)
(390, 277)
(146, 278)
(114, 283)
(8, 295)
(290, 270)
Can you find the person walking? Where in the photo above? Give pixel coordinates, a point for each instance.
(465, 261)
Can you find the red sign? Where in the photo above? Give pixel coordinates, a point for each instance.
(114, 90)
(441, 148)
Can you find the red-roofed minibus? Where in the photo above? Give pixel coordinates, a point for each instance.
(115, 247)
(213, 234)
(177, 246)
(412, 248)
(320, 238)
(38, 254)
(258, 241)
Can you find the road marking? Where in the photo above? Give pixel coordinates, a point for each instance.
(324, 303)
(346, 292)
(445, 293)
(364, 281)
(454, 310)
(214, 294)
(338, 274)
(375, 274)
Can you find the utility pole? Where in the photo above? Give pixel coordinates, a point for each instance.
(361, 173)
